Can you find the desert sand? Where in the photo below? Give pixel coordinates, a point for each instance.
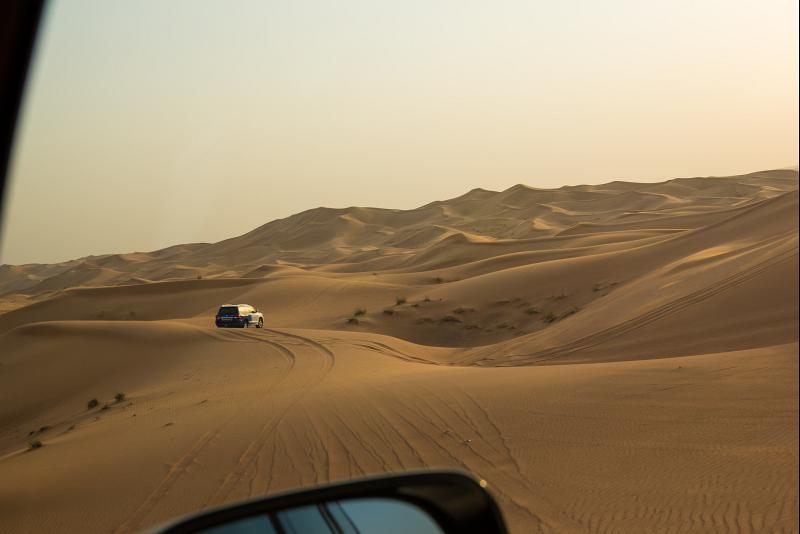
(610, 358)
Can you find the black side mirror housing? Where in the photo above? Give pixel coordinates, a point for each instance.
(427, 502)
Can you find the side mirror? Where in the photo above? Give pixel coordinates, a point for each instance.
(431, 502)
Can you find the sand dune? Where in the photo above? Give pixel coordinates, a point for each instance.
(616, 357)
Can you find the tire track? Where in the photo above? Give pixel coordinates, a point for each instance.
(175, 472)
(179, 467)
(256, 446)
(329, 355)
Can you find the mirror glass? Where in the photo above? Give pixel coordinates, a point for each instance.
(350, 516)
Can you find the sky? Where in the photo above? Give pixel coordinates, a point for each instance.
(149, 123)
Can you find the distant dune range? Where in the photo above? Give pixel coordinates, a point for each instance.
(616, 357)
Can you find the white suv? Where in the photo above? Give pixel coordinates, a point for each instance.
(239, 316)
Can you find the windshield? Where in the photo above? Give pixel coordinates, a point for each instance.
(553, 244)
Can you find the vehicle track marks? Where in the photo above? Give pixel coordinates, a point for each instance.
(180, 466)
(175, 472)
(254, 449)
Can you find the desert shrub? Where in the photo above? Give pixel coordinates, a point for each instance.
(597, 287)
(426, 299)
(119, 397)
(549, 317)
(450, 319)
(471, 327)
(533, 310)
(105, 407)
(399, 301)
(439, 280)
(560, 296)
(569, 312)
(359, 311)
(94, 403)
(388, 312)
(462, 310)
(503, 302)
(35, 444)
(352, 320)
(424, 320)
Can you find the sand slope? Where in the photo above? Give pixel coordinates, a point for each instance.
(612, 358)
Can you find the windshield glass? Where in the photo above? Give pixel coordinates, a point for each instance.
(553, 244)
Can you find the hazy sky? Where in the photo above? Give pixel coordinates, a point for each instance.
(150, 123)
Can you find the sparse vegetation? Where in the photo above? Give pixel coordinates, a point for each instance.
(599, 286)
(94, 403)
(450, 319)
(439, 280)
(560, 296)
(503, 302)
(398, 301)
(352, 320)
(533, 310)
(549, 317)
(471, 327)
(119, 397)
(569, 312)
(424, 320)
(359, 312)
(462, 310)
(35, 444)
(105, 407)
(388, 312)
(426, 299)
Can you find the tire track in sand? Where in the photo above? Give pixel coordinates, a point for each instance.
(308, 373)
(180, 466)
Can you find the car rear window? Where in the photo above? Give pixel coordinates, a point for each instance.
(228, 311)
